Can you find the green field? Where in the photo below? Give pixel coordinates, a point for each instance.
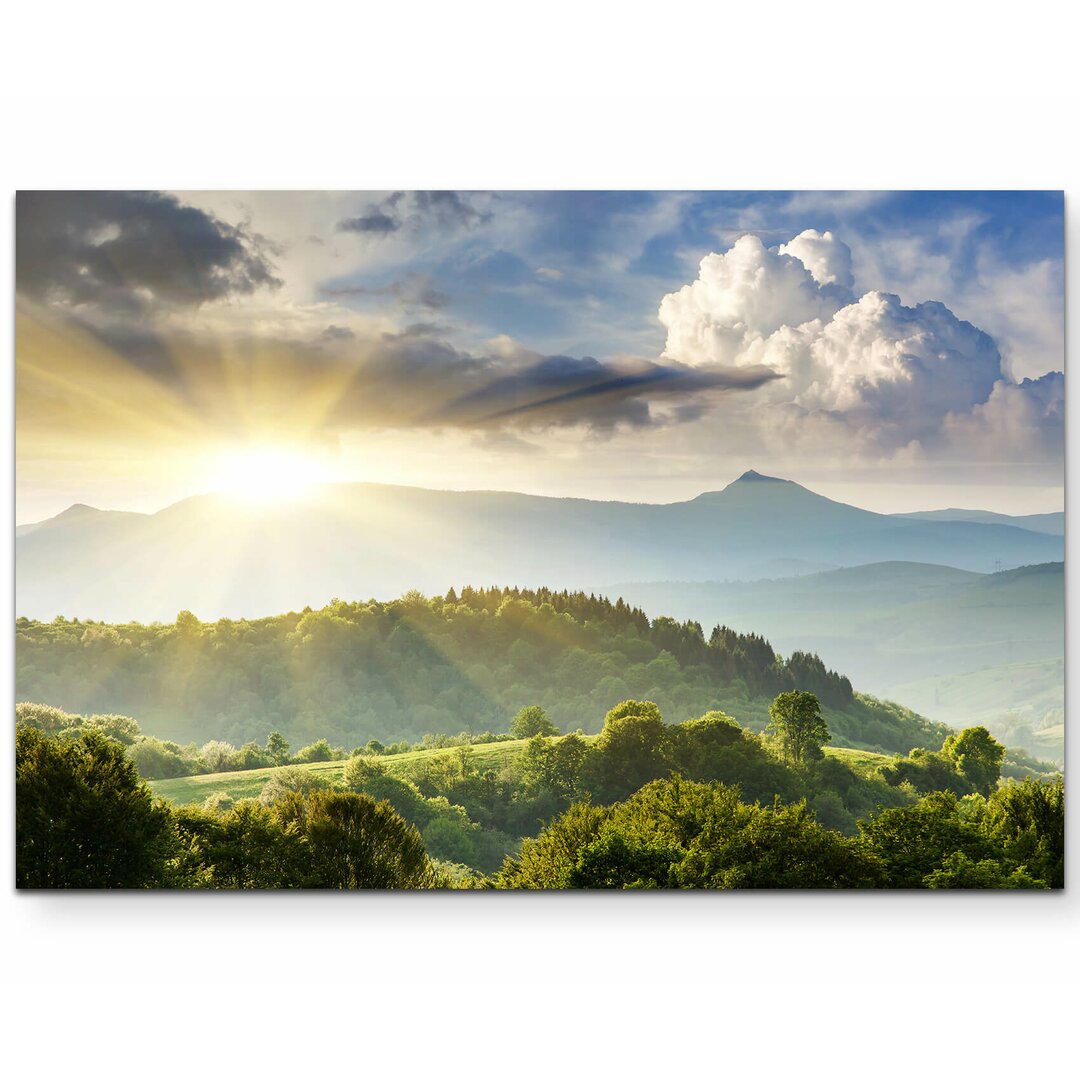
(188, 790)
(193, 790)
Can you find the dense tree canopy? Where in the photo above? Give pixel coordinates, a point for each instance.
(714, 809)
(353, 672)
(83, 818)
(675, 833)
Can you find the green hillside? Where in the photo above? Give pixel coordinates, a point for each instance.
(956, 646)
(352, 672)
(249, 783)
(472, 807)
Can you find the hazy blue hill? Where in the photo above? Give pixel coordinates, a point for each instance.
(82, 517)
(958, 646)
(219, 557)
(355, 671)
(1053, 524)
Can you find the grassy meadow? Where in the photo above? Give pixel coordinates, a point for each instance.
(248, 784)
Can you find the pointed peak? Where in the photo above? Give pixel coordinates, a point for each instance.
(751, 476)
(77, 510)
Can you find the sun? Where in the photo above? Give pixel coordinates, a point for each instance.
(269, 474)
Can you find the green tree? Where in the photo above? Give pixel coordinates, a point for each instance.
(121, 728)
(1027, 818)
(83, 818)
(218, 755)
(535, 764)
(548, 861)
(354, 842)
(45, 718)
(676, 833)
(465, 755)
(277, 749)
(244, 846)
(290, 780)
(320, 750)
(795, 720)
(960, 872)
(156, 759)
(188, 625)
(914, 841)
(927, 771)
(632, 748)
(568, 756)
(977, 756)
(532, 720)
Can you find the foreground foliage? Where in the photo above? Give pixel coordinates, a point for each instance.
(318, 840)
(702, 804)
(679, 834)
(83, 818)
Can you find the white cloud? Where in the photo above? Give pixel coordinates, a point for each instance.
(827, 259)
(867, 376)
(890, 369)
(1019, 423)
(1024, 311)
(738, 300)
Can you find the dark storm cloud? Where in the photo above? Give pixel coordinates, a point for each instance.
(125, 252)
(414, 209)
(416, 379)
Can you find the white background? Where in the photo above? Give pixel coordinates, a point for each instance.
(490, 95)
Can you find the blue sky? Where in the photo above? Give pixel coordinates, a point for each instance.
(625, 249)
(900, 350)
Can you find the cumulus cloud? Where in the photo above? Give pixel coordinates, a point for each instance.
(864, 374)
(1024, 420)
(827, 259)
(739, 299)
(131, 252)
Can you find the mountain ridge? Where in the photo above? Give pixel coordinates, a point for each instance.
(221, 557)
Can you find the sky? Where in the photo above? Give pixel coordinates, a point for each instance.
(896, 350)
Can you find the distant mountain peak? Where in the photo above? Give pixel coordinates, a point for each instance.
(77, 510)
(751, 476)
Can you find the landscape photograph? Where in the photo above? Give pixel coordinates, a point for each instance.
(468, 540)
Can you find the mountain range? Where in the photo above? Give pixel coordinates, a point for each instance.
(220, 557)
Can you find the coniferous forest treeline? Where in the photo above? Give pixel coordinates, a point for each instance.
(352, 672)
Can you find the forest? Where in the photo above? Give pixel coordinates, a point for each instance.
(463, 662)
(705, 803)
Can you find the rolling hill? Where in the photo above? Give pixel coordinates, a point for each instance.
(955, 645)
(222, 558)
(351, 672)
(1052, 524)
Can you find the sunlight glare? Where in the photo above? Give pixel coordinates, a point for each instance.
(269, 474)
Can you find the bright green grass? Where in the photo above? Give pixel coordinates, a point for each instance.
(193, 790)
(189, 790)
(864, 763)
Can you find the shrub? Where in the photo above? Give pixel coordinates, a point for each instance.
(83, 817)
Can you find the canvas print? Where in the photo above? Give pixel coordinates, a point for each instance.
(539, 540)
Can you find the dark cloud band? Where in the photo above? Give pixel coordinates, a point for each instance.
(128, 252)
